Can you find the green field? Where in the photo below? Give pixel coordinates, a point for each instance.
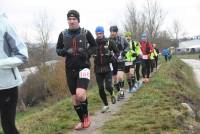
(188, 56)
(54, 119)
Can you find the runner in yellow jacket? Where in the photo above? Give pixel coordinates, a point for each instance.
(152, 58)
(130, 60)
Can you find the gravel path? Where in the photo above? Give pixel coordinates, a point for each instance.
(98, 119)
(195, 64)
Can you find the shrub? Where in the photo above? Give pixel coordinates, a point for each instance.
(47, 82)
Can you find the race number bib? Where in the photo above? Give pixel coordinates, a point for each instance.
(145, 57)
(111, 66)
(128, 63)
(85, 73)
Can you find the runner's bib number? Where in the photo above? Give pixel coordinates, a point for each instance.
(85, 73)
(145, 57)
(128, 63)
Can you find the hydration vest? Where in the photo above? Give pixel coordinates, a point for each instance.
(75, 44)
(148, 50)
(129, 54)
(120, 43)
(105, 51)
(137, 48)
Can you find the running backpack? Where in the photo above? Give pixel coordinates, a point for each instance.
(75, 44)
(120, 43)
(148, 50)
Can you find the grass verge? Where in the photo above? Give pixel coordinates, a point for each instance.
(156, 107)
(55, 119)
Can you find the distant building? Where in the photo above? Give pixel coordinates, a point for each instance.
(189, 46)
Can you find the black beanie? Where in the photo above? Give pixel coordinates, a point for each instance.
(113, 29)
(73, 13)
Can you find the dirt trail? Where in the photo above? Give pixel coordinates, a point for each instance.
(195, 64)
(98, 119)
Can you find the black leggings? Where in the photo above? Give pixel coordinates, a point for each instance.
(166, 57)
(107, 78)
(8, 103)
(137, 70)
(152, 65)
(156, 61)
(146, 68)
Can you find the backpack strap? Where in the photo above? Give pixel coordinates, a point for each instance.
(83, 33)
(121, 41)
(131, 43)
(65, 32)
(108, 42)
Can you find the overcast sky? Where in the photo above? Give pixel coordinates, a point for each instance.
(23, 14)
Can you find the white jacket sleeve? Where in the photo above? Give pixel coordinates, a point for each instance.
(10, 62)
(17, 51)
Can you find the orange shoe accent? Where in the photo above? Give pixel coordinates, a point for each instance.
(86, 122)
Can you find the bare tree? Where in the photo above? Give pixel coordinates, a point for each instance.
(135, 21)
(154, 18)
(132, 19)
(163, 39)
(43, 25)
(176, 29)
(142, 24)
(149, 20)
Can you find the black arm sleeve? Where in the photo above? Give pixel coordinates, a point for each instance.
(60, 46)
(92, 43)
